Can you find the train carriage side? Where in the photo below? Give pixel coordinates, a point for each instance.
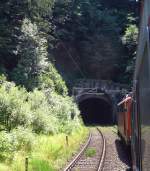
(124, 119)
(141, 113)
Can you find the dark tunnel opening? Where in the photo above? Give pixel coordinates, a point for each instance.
(96, 111)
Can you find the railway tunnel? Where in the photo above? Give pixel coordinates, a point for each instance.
(96, 110)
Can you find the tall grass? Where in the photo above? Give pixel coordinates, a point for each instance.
(50, 153)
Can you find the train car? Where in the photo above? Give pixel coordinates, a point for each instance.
(140, 141)
(124, 119)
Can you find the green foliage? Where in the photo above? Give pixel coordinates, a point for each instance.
(2, 79)
(44, 121)
(41, 165)
(11, 14)
(37, 103)
(32, 29)
(14, 110)
(44, 112)
(18, 139)
(33, 69)
(48, 152)
(40, 8)
(92, 31)
(65, 110)
(24, 138)
(130, 38)
(90, 152)
(51, 79)
(25, 115)
(82, 19)
(130, 42)
(53, 148)
(33, 62)
(6, 146)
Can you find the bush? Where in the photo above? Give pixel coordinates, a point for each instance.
(52, 79)
(19, 139)
(6, 146)
(24, 139)
(44, 111)
(44, 121)
(14, 109)
(53, 112)
(37, 99)
(66, 112)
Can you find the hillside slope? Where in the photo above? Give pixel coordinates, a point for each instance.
(92, 34)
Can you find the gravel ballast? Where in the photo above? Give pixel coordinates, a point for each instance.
(117, 156)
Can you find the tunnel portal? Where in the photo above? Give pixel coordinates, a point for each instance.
(96, 111)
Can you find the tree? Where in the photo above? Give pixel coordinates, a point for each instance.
(11, 14)
(33, 56)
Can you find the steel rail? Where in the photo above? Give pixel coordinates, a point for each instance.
(102, 156)
(73, 162)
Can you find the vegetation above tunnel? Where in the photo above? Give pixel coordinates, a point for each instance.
(99, 37)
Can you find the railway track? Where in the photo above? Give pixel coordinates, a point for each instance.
(82, 162)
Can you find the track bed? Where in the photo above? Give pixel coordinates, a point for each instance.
(110, 154)
(117, 157)
(87, 161)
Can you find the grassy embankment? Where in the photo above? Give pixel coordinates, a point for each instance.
(50, 153)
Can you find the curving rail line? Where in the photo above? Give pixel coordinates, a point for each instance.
(99, 167)
(102, 158)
